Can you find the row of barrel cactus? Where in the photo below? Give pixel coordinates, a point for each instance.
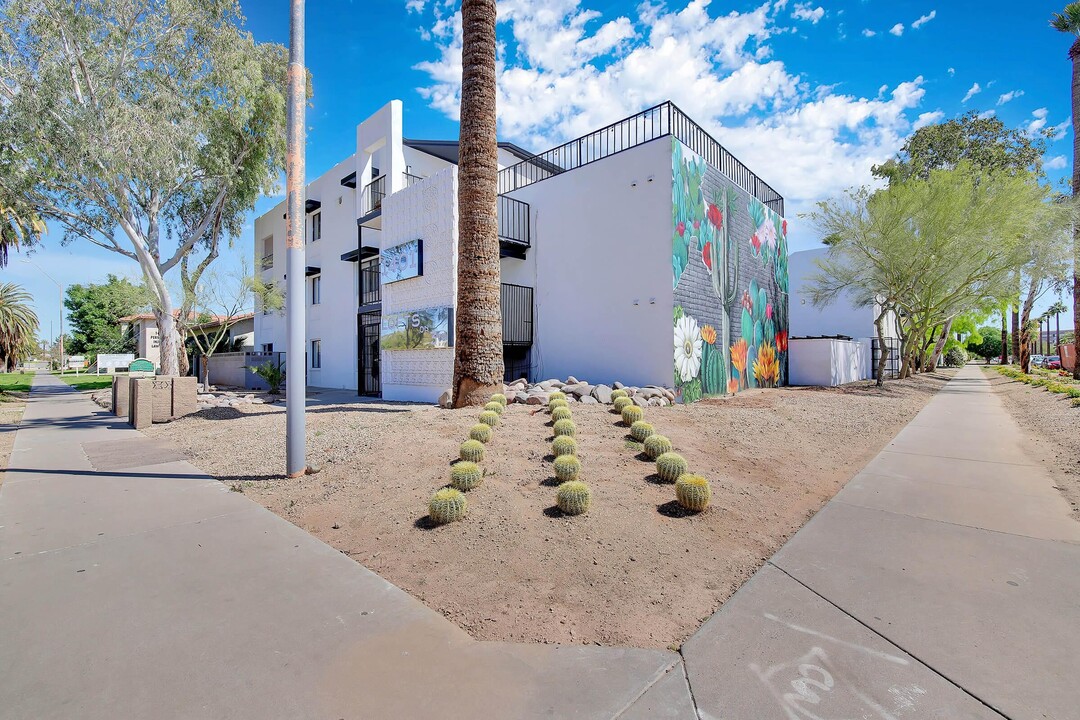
(692, 491)
(449, 504)
(573, 496)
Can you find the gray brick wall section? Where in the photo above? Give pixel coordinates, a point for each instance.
(695, 291)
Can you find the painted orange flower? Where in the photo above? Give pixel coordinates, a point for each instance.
(738, 355)
(732, 386)
(708, 334)
(781, 341)
(767, 366)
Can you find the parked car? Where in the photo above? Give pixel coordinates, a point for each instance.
(1037, 360)
(1053, 362)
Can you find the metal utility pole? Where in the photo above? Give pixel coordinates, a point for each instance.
(295, 296)
(61, 286)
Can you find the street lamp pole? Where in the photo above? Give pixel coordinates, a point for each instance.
(295, 295)
(61, 287)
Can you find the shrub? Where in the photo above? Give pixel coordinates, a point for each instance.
(557, 395)
(561, 413)
(618, 393)
(466, 475)
(1075, 402)
(499, 398)
(447, 505)
(567, 468)
(956, 358)
(620, 403)
(670, 466)
(1056, 387)
(693, 492)
(564, 445)
(495, 407)
(565, 427)
(641, 430)
(1073, 392)
(573, 497)
(472, 451)
(273, 374)
(557, 403)
(631, 414)
(480, 432)
(656, 445)
(489, 418)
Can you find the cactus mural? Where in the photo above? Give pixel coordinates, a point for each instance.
(731, 308)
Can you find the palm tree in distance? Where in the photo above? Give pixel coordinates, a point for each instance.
(478, 356)
(1068, 21)
(1055, 310)
(18, 324)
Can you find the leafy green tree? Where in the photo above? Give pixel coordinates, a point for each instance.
(93, 312)
(18, 325)
(988, 345)
(146, 128)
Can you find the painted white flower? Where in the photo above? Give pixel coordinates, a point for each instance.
(687, 348)
(767, 234)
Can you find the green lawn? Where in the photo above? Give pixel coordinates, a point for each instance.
(87, 382)
(15, 382)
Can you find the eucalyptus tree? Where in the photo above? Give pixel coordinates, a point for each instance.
(145, 127)
(478, 356)
(1068, 21)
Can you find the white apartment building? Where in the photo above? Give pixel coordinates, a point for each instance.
(590, 232)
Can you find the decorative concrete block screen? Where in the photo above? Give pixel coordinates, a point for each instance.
(730, 279)
(160, 399)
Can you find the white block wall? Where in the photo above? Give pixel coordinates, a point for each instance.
(826, 362)
(427, 210)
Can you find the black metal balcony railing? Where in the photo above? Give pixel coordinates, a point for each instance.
(267, 262)
(517, 314)
(513, 224)
(370, 285)
(411, 179)
(373, 195)
(656, 122)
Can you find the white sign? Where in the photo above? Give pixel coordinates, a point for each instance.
(112, 362)
(76, 361)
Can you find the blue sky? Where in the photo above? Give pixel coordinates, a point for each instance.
(808, 94)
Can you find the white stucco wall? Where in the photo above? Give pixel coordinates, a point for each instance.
(428, 211)
(601, 265)
(841, 317)
(828, 362)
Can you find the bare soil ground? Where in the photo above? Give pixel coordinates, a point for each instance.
(632, 571)
(12, 406)
(1052, 425)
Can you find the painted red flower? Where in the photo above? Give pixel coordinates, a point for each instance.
(715, 216)
(697, 224)
(756, 242)
(747, 301)
(706, 256)
(768, 310)
(784, 225)
(781, 341)
(680, 228)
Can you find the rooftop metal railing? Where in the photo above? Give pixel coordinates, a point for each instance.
(655, 122)
(373, 195)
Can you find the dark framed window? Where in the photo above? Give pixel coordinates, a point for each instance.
(316, 226)
(316, 290)
(316, 354)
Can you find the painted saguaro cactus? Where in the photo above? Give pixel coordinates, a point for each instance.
(721, 257)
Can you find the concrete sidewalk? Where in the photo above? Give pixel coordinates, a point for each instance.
(941, 582)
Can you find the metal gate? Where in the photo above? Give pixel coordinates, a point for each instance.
(370, 381)
(892, 363)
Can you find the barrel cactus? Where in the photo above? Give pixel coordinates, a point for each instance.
(472, 451)
(494, 407)
(480, 432)
(565, 427)
(631, 414)
(466, 475)
(693, 492)
(670, 466)
(620, 403)
(561, 413)
(557, 403)
(567, 468)
(573, 497)
(447, 505)
(618, 393)
(656, 445)
(557, 395)
(489, 418)
(641, 430)
(499, 398)
(564, 445)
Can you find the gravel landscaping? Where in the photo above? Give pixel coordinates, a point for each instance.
(634, 570)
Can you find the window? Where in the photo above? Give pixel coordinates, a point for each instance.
(316, 290)
(268, 347)
(316, 226)
(267, 260)
(316, 354)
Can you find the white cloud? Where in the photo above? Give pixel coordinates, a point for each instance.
(987, 114)
(867, 32)
(416, 6)
(972, 92)
(807, 11)
(927, 118)
(923, 20)
(897, 29)
(952, 71)
(1009, 96)
(565, 71)
(1058, 162)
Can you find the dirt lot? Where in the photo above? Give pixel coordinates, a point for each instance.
(1052, 425)
(632, 571)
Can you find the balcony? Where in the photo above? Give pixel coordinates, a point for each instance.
(514, 229)
(411, 179)
(266, 262)
(372, 196)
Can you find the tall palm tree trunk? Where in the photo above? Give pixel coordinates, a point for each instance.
(1004, 339)
(1015, 334)
(478, 358)
(1074, 55)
